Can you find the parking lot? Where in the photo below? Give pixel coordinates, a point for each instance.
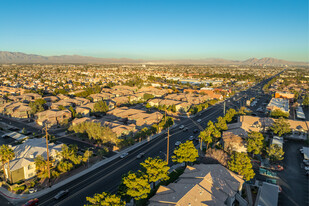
(293, 179)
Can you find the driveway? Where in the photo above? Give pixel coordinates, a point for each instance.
(293, 180)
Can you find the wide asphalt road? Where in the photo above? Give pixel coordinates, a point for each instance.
(108, 177)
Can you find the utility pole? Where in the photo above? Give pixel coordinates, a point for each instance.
(168, 145)
(168, 140)
(47, 152)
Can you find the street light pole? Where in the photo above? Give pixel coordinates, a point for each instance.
(168, 145)
(47, 152)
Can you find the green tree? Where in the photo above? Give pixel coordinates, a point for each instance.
(94, 130)
(69, 153)
(24, 131)
(230, 114)
(275, 152)
(137, 185)
(156, 169)
(64, 166)
(72, 110)
(278, 113)
(100, 106)
(41, 166)
(105, 199)
(186, 152)
(148, 106)
(87, 155)
(255, 142)
(61, 107)
(147, 96)
(306, 101)
(6, 155)
(240, 163)
(206, 137)
(221, 124)
(37, 106)
(281, 126)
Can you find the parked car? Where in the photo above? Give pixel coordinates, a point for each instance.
(185, 129)
(32, 202)
(306, 162)
(32, 190)
(195, 131)
(199, 120)
(191, 138)
(140, 155)
(124, 155)
(177, 143)
(61, 194)
(307, 168)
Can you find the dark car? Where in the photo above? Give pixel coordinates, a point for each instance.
(32, 202)
(195, 131)
(61, 194)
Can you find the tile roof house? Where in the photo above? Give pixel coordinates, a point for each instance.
(259, 123)
(26, 98)
(22, 167)
(53, 117)
(202, 184)
(16, 109)
(84, 111)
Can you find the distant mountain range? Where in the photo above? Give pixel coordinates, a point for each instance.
(22, 58)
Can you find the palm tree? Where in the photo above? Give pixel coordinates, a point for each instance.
(6, 154)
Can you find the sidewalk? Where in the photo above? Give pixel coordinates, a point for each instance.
(19, 198)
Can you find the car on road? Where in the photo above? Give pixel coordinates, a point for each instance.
(199, 120)
(177, 143)
(124, 155)
(191, 138)
(185, 129)
(140, 155)
(32, 190)
(61, 194)
(32, 202)
(195, 131)
(181, 127)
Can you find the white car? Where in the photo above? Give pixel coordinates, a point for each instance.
(177, 143)
(181, 127)
(191, 138)
(307, 168)
(140, 155)
(306, 162)
(61, 194)
(124, 155)
(32, 190)
(199, 120)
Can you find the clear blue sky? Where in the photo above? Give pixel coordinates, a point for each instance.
(157, 29)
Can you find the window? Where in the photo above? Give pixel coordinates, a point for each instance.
(30, 167)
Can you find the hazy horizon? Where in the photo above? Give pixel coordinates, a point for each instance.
(157, 30)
